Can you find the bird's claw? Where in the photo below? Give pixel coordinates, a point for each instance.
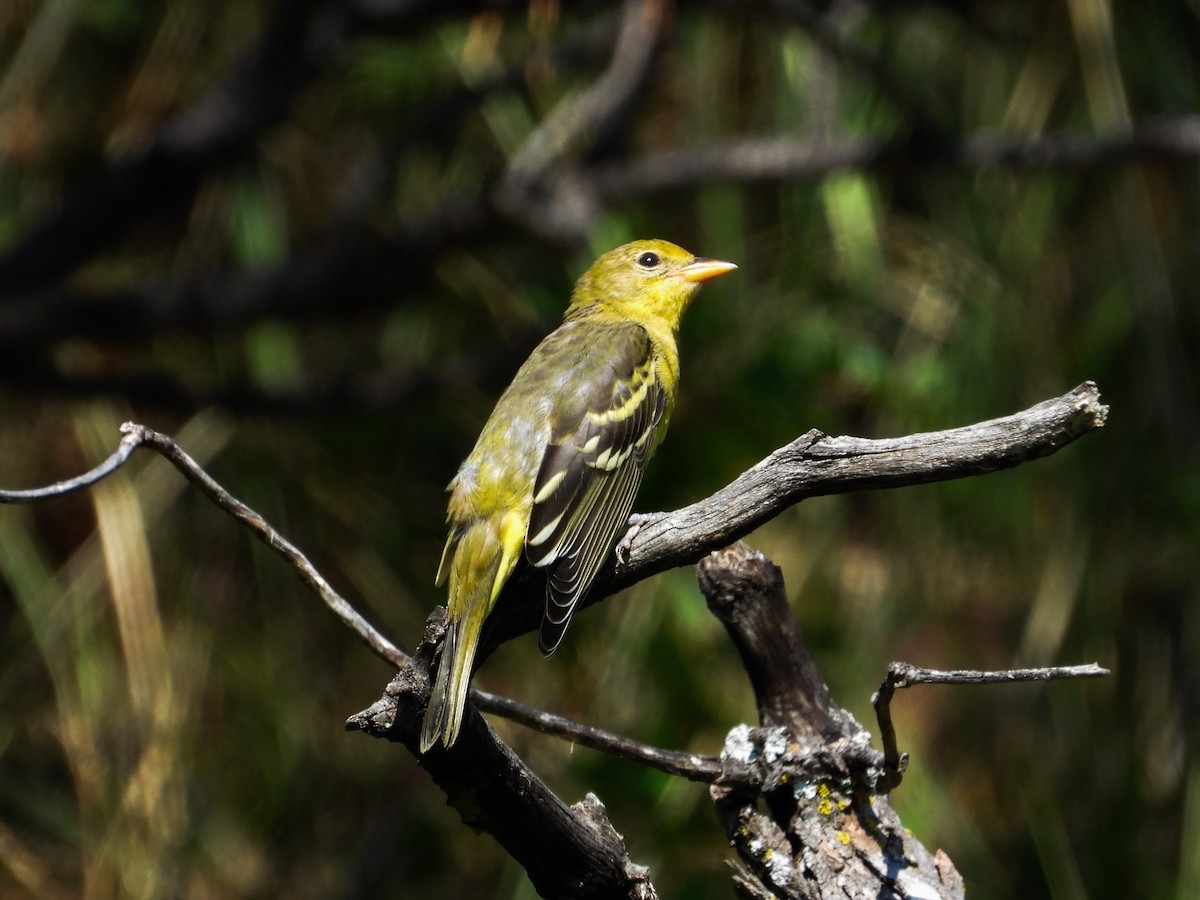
(637, 521)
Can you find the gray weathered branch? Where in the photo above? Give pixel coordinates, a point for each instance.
(816, 465)
(567, 851)
(820, 829)
(563, 847)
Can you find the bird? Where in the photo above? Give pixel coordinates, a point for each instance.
(553, 474)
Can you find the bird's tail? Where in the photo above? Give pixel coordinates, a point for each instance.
(481, 557)
(443, 718)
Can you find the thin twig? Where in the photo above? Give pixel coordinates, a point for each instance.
(696, 767)
(192, 471)
(904, 675)
(579, 118)
(120, 456)
(534, 188)
(134, 436)
(693, 766)
(165, 446)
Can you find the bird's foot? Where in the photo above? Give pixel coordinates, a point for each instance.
(637, 521)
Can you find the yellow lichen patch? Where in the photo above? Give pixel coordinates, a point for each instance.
(844, 837)
(825, 805)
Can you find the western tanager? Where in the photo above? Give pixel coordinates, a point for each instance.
(554, 472)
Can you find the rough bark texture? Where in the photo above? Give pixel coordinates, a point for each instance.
(567, 851)
(826, 828)
(824, 833)
(814, 465)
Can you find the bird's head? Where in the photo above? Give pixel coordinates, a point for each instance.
(645, 280)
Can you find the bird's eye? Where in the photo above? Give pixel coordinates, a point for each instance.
(648, 260)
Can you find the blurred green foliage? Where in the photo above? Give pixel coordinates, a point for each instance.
(171, 698)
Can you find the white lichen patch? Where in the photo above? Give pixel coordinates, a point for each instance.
(739, 746)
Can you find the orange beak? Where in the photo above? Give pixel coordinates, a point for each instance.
(700, 270)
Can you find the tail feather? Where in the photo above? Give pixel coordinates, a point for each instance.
(443, 719)
(480, 561)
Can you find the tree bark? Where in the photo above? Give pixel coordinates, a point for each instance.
(567, 851)
(826, 832)
(828, 829)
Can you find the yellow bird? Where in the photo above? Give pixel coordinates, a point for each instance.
(556, 467)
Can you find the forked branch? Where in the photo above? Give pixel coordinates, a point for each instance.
(560, 846)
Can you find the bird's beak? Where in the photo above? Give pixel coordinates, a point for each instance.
(700, 270)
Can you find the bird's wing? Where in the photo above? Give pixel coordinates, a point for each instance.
(590, 473)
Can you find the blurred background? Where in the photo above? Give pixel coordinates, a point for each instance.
(312, 240)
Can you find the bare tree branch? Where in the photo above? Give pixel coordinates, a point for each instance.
(816, 465)
(822, 830)
(552, 204)
(140, 436)
(567, 851)
(813, 465)
(904, 675)
(355, 268)
(692, 766)
(191, 470)
(564, 847)
(795, 158)
(387, 390)
(302, 39)
(118, 458)
(695, 767)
